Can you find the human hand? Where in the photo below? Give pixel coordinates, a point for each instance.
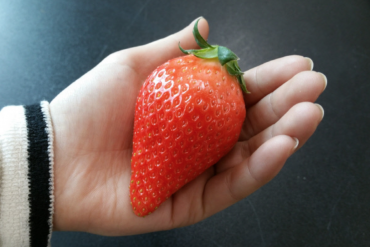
(93, 127)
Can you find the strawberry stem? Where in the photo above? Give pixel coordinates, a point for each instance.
(225, 56)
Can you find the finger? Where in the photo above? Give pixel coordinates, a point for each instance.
(300, 121)
(236, 183)
(147, 57)
(304, 87)
(187, 207)
(265, 78)
(168, 47)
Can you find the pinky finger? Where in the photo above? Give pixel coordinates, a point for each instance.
(232, 185)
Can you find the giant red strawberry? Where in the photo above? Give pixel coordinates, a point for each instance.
(188, 115)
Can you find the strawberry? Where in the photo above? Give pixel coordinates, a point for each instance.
(189, 113)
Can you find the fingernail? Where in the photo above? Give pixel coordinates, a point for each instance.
(311, 62)
(322, 110)
(200, 17)
(326, 79)
(296, 144)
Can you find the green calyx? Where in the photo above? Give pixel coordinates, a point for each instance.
(225, 56)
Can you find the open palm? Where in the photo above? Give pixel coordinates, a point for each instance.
(93, 125)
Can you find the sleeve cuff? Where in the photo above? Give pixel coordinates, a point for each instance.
(26, 175)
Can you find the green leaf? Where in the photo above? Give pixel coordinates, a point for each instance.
(187, 51)
(225, 55)
(184, 51)
(206, 53)
(202, 53)
(198, 38)
(242, 84)
(233, 68)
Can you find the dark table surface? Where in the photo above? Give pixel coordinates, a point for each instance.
(322, 195)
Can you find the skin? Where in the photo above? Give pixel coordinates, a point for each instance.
(93, 126)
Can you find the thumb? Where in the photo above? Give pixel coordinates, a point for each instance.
(160, 51)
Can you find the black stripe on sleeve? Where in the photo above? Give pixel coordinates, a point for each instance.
(38, 175)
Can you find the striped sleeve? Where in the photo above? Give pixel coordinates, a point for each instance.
(26, 175)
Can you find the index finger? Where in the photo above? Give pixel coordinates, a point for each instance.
(265, 78)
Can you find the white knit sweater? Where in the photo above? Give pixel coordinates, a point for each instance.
(26, 176)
